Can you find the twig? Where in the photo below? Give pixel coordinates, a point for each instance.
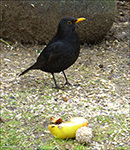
(6, 43)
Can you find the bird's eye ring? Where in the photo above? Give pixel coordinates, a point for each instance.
(69, 22)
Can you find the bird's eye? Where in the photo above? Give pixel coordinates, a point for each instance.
(69, 22)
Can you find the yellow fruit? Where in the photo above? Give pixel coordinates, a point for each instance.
(67, 129)
(55, 120)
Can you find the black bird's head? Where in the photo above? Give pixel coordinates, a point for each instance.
(67, 25)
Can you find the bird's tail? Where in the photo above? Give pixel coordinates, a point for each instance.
(26, 70)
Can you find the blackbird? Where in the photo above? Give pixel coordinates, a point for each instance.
(62, 51)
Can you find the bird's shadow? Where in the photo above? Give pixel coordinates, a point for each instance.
(33, 81)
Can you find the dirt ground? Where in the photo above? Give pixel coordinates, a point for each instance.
(100, 75)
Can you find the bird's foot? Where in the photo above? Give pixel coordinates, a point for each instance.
(67, 83)
(57, 87)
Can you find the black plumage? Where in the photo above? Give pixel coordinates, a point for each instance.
(62, 51)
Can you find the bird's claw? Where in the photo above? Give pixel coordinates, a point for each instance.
(57, 87)
(67, 83)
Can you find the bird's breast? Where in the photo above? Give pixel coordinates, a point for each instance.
(65, 59)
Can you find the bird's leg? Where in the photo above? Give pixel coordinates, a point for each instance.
(55, 81)
(67, 82)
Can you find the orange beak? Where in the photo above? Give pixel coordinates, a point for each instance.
(80, 19)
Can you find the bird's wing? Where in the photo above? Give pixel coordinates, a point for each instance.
(56, 50)
(50, 54)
